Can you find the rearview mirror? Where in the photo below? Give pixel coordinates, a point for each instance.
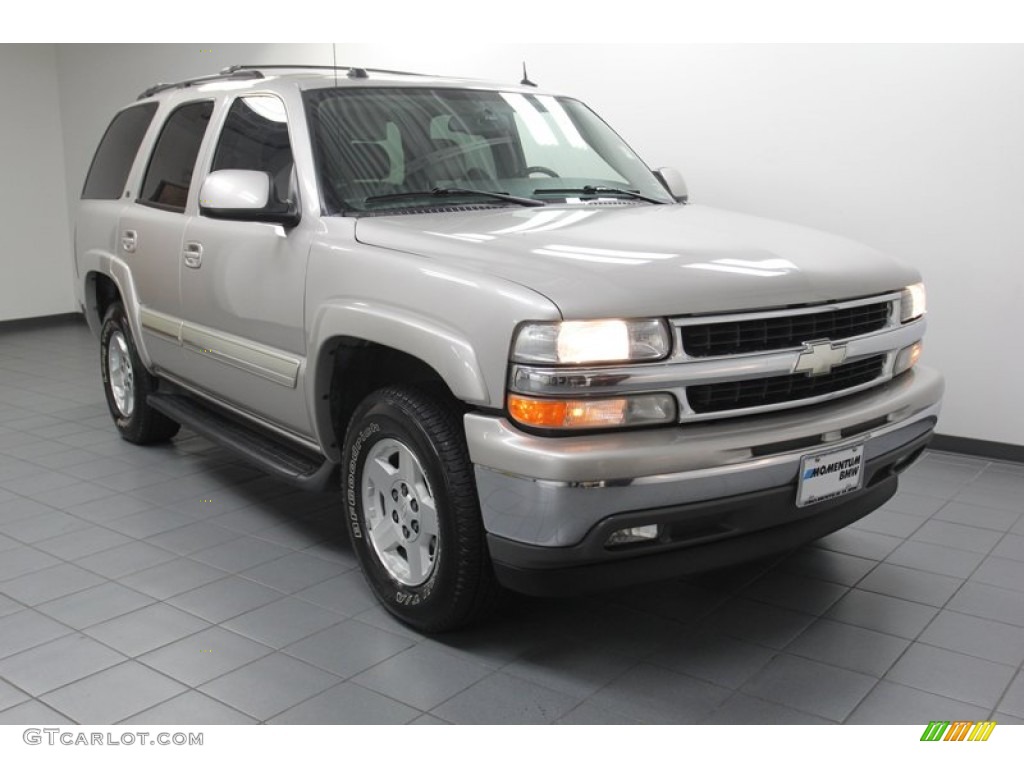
(244, 196)
(672, 180)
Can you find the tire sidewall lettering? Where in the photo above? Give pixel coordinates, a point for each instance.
(351, 472)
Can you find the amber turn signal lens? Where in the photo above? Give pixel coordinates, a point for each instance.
(592, 414)
(907, 358)
(537, 413)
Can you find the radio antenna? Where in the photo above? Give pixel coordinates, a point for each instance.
(526, 80)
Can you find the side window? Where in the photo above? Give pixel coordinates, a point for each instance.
(169, 174)
(113, 159)
(255, 138)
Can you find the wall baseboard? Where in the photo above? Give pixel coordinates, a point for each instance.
(986, 449)
(47, 321)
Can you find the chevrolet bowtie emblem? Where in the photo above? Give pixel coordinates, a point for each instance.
(819, 358)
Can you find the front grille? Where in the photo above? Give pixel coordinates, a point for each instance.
(753, 393)
(769, 333)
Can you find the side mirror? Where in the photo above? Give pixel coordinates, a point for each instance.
(244, 196)
(672, 180)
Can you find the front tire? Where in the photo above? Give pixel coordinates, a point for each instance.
(412, 511)
(127, 383)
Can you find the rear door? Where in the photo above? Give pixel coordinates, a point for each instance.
(151, 230)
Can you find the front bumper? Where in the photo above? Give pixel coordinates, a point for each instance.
(723, 491)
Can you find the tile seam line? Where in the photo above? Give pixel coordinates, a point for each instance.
(917, 639)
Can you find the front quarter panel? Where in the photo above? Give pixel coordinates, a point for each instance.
(459, 323)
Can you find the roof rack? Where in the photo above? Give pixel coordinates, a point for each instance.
(353, 71)
(236, 73)
(254, 71)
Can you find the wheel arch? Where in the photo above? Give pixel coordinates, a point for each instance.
(101, 291)
(349, 368)
(111, 282)
(359, 348)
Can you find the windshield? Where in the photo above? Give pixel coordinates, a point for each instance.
(381, 149)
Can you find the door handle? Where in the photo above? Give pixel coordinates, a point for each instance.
(129, 239)
(193, 255)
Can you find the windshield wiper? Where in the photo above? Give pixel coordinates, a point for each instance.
(594, 191)
(445, 191)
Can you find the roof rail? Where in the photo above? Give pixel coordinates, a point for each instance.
(254, 71)
(236, 73)
(241, 67)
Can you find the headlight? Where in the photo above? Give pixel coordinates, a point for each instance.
(591, 341)
(912, 302)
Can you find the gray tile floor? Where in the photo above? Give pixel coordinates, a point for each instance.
(176, 585)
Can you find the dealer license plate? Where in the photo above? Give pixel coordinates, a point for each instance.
(825, 476)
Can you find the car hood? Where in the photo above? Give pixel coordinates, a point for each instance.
(637, 260)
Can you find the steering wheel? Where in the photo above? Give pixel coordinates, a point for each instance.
(542, 169)
(478, 174)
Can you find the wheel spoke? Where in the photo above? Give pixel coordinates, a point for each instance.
(385, 536)
(428, 519)
(419, 481)
(408, 469)
(380, 474)
(417, 558)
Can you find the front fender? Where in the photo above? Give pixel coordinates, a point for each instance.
(441, 347)
(458, 323)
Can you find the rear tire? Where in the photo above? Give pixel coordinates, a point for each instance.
(412, 511)
(127, 383)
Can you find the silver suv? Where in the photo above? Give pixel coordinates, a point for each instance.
(525, 358)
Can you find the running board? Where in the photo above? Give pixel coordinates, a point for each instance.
(301, 468)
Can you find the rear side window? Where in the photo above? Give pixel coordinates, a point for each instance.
(116, 152)
(169, 174)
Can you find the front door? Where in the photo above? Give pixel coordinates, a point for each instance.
(243, 282)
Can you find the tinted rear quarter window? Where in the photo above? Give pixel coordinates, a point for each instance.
(169, 174)
(114, 157)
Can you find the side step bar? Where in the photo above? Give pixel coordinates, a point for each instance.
(301, 468)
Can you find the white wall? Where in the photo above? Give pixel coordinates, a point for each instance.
(35, 255)
(916, 150)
